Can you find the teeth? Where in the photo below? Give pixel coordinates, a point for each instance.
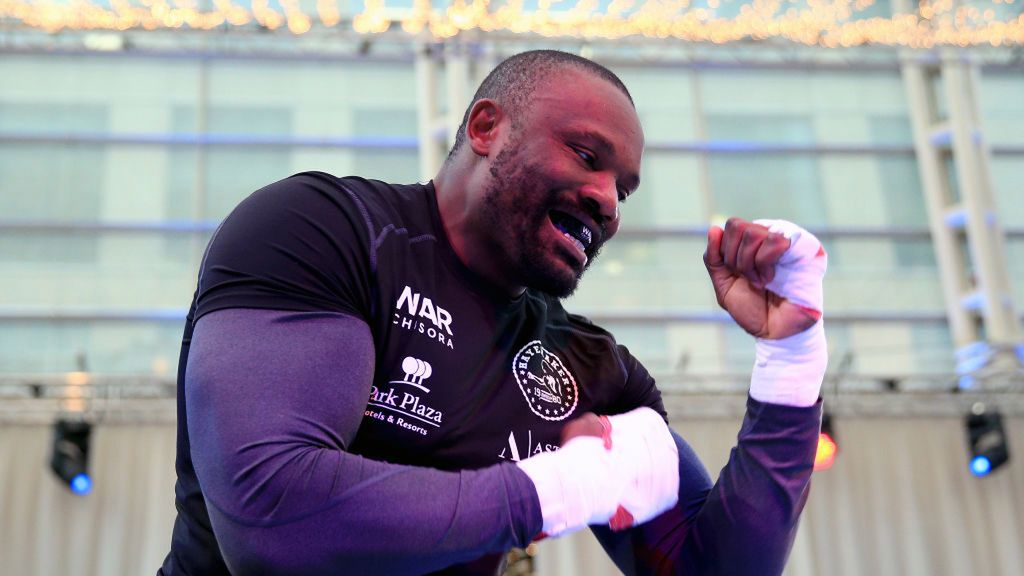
(584, 232)
(580, 245)
(575, 241)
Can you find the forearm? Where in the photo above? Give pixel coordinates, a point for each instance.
(768, 276)
(744, 523)
(274, 400)
(750, 519)
(382, 519)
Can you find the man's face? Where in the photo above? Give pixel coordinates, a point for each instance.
(556, 183)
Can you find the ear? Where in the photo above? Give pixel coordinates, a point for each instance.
(484, 126)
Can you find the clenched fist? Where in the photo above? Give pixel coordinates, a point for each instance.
(743, 260)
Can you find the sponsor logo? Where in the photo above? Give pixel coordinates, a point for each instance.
(515, 452)
(547, 385)
(405, 408)
(419, 314)
(416, 371)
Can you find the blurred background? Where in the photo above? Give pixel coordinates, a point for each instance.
(892, 129)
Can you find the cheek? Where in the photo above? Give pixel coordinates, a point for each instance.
(565, 173)
(554, 169)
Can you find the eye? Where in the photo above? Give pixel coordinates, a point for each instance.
(586, 156)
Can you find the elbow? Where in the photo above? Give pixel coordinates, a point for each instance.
(243, 555)
(266, 508)
(273, 550)
(245, 547)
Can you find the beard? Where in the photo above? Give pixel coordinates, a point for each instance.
(517, 204)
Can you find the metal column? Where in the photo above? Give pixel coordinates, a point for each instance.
(428, 111)
(437, 126)
(457, 72)
(953, 162)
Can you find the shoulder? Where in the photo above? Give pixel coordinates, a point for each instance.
(373, 202)
(302, 243)
(593, 345)
(580, 326)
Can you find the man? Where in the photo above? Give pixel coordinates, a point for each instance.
(374, 378)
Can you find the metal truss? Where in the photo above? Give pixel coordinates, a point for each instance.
(953, 159)
(145, 399)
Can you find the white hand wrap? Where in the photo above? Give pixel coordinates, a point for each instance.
(629, 476)
(789, 371)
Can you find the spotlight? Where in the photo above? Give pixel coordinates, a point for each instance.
(70, 459)
(986, 440)
(980, 465)
(827, 447)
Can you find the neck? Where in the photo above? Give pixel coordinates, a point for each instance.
(455, 185)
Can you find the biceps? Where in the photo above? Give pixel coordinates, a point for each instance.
(273, 399)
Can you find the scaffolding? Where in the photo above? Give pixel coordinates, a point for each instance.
(953, 159)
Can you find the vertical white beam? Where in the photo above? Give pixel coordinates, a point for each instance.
(921, 106)
(427, 110)
(1001, 271)
(486, 59)
(457, 76)
(984, 238)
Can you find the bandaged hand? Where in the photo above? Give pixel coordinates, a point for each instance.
(617, 470)
(768, 275)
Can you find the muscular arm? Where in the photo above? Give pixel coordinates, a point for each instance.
(274, 399)
(744, 524)
(768, 276)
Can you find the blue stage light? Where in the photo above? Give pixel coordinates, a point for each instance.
(980, 466)
(81, 484)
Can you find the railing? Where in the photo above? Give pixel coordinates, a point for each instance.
(150, 399)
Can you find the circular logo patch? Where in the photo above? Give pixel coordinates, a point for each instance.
(547, 384)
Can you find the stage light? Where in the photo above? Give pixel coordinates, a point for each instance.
(980, 466)
(827, 446)
(70, 458)
(986, 440)
(81, 484)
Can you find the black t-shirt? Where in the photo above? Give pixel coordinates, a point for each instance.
(460, 369)
(464, 377)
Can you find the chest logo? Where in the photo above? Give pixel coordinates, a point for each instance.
(416, 371)
(547, 385)
(516, 452)
(417, 313)
(403, 408)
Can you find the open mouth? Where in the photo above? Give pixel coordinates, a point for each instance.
(575, 231)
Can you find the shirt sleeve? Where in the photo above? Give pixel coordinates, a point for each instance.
(639, 389)
(743, 524)
(274, 399)
(300, 244)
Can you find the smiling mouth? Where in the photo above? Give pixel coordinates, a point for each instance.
(575, 231)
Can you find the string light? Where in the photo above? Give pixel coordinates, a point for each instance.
(328, 12)
(828, 23)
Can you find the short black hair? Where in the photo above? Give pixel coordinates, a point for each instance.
(513, 82)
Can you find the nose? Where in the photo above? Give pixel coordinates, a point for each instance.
(601, 200)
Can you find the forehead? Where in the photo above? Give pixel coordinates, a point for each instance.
(571, 99)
